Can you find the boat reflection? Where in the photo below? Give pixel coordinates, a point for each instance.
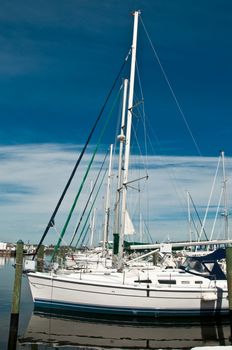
(6, 260)
(130, 334)
(2, 261)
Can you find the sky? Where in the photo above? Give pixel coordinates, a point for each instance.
(58, 61)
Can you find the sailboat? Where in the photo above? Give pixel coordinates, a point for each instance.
(130, 290)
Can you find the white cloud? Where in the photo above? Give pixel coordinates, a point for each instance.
(32, 178)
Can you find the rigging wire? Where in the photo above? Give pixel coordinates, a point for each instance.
(143, 114)
(170, 171)
(171, 89)
(118, 126)
(86, 231)
(89, 198)
(195, 226)
(87, 218)
(210, 196)
(147, 136)
(139, 149)
(134, 130)
(195, 209)
(52, 218)
(137, 203)
(85, 177)
(216, 215)
(144, 124)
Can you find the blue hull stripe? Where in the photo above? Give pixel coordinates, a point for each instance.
(71, 307)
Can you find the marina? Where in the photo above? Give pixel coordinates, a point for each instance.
(121, 288)
(115, 262)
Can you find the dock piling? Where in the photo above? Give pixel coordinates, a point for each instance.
(40, 258)
(13, 332)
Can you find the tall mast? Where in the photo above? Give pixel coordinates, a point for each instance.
(91, 217)
(121, 138)
(189, 217)
(128, 137)
(107, 205)
(225, 196)
(92, 227)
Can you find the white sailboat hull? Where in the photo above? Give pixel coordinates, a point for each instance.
(108, 295)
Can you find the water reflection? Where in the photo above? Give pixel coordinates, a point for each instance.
(2, 261)
(129, 334)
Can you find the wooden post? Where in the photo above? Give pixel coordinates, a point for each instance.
(40, 258)
(12, 341)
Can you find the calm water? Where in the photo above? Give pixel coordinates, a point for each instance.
(43, 331)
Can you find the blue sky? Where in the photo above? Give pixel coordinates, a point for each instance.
(58, 60)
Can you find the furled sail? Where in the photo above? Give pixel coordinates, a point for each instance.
(129, 227)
